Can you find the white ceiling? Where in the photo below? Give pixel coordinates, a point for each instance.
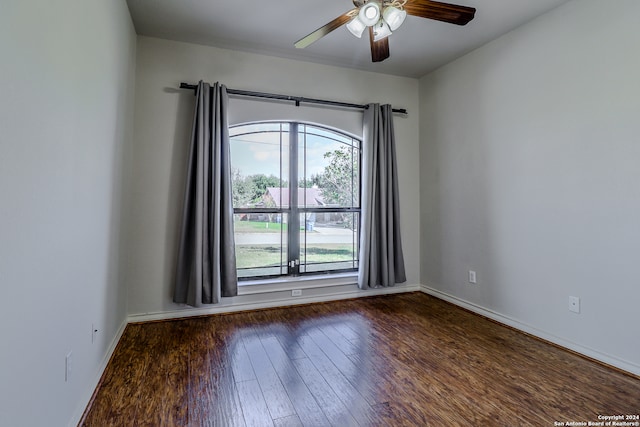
(417, 47)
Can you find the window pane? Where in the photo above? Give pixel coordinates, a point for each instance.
(329, 134)
(261, 244)
(260, 165)
(328, 241)
(328, 169)
(326, 179)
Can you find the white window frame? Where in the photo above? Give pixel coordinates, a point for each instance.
(294, 279)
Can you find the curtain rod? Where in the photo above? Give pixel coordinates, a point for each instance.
(296, 99)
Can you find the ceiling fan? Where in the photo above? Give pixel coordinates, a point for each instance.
(382, 17)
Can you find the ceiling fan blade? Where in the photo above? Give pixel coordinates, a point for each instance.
(324, 30)
(379, 49)
(445, 12)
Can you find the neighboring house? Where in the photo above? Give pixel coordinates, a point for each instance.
(278, 197)
(308, 197)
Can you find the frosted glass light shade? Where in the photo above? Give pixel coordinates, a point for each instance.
(369, 13)
(394, 17)
(381, 30)
(356, 27)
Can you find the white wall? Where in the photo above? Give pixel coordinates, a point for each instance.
(530, 176)
(162, 129)
(66, 103)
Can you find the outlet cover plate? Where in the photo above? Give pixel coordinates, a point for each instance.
(574, 304)
(472, 277)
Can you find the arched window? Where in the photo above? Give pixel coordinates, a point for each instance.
(296, 198)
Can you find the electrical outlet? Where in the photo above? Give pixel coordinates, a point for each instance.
(574, 304)
(67, 367)
(472, 277)
(296, 293)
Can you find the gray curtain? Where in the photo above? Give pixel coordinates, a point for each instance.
(381, 258)
(206, 267)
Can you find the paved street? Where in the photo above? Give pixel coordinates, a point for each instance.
(319, 235)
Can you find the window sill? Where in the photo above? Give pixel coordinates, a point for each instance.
(251, 287)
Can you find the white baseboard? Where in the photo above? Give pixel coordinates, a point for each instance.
(88, 394)
(608, 359)
(269, 303)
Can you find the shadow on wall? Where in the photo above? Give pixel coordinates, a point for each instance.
(177, 180)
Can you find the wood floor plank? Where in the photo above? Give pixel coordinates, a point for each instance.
(290, 421)
(309, 413)
(339, 340)
(254, 407)
(405, 359)
(288, 341)
(177, 374)
(346, 392)
(359, 378)
(343, 328)
(214, 397)
(275, 395)
(240, 362)
(429, 359)
(334, 409)
(167, 366)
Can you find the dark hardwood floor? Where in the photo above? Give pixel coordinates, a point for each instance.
(406, 359)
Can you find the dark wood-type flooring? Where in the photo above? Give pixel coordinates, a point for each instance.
(406, 359)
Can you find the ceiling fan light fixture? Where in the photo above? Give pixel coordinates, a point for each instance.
(381, 30)
(370, 13)
(356, 26)
(394, 17)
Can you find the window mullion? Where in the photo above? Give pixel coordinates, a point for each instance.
(294, 216)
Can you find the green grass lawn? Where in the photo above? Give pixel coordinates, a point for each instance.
(253, 258)
(250, 256)
(258, 227)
